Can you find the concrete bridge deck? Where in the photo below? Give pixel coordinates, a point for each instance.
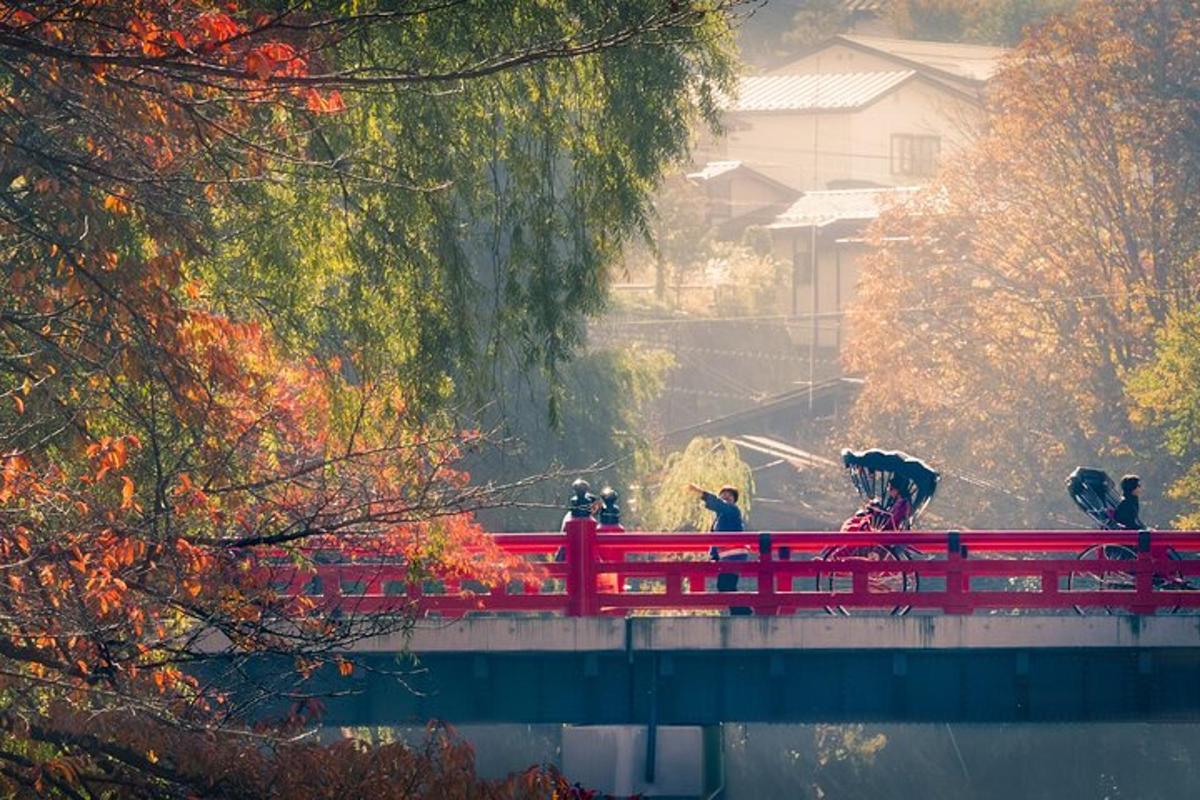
(703, 670)
(687, 633)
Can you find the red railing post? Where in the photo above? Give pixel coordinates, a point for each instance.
(766, 578)
(1143, 595)
(955, 601)
(581, 572)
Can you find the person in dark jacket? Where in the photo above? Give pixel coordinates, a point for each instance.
(1127, 513)
(724, 505)
(727, 519)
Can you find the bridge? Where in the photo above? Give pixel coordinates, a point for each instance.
(941, 626)
(624, 639)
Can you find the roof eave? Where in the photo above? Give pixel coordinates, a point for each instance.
(976, 83)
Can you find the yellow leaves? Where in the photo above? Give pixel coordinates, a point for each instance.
(127, 489)
(116, 205)
(152, 756)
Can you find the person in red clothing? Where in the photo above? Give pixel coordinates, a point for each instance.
(893, 515)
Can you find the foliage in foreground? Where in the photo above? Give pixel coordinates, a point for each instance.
(181, 429)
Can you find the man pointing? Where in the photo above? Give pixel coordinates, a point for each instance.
(728, 518)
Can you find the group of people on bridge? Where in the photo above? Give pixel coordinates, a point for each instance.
(892, 513)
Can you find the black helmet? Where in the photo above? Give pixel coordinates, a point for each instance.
(581, 499)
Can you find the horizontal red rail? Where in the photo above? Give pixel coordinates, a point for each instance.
(947, 571)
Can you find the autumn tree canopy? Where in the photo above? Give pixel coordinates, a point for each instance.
(251, 257)
(1165, 398)
(1008, 307)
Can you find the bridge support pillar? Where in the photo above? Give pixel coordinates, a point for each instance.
(612, 759)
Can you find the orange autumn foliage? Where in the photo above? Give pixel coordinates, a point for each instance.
(153, 445)
(1005, 309)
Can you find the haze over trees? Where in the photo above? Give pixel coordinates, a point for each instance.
(978, 21)
(780, 29)
(1040, 296)
(255, 259)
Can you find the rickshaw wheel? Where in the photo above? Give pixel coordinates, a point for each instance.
(904, 581)
(1113, 579)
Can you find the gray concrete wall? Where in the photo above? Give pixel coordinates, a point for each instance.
(601, 634)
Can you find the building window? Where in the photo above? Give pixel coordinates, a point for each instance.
(916, 156)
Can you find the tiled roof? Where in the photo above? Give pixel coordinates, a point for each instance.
(974, 62)
(815, 92)
(816, 209)
(863, 5)
(713, 169)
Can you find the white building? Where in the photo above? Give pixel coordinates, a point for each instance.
(855, 112)
(820, 236)
(853, 125)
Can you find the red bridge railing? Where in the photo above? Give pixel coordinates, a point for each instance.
(943, 572)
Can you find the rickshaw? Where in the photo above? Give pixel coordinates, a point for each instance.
(871, 472)
(1094, 492)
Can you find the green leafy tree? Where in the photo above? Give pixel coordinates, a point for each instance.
(710, 463)
(599, 436)
(472, 227)
(1167, 398)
